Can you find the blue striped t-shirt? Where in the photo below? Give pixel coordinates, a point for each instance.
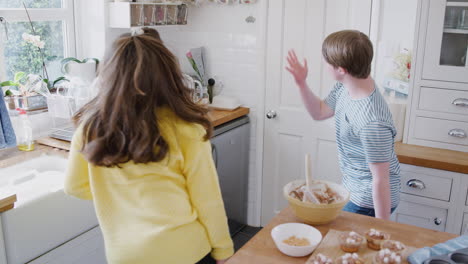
(364, 134)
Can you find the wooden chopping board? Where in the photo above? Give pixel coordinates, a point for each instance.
(330, 246)
(52, 142)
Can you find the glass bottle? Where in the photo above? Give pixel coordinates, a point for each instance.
(24, 137)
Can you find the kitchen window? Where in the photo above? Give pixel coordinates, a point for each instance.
(53, 21)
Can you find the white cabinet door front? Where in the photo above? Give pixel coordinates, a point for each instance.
(446, 45)
(87, 248)
(421, 215)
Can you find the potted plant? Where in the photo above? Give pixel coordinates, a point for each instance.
(28, 91)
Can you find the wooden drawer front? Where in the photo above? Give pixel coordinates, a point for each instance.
(443, 100)
(440, 130)
(421, 215)
(426, 185)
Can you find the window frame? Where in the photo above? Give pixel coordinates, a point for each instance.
(65, 14)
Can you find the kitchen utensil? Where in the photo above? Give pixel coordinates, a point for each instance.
(330, 247)
(285, 231)
(459, 256)
(307, 172)
(316, 214)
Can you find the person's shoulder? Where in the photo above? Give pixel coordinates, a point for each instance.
(172, 124)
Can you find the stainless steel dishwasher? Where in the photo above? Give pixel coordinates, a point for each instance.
(230, 145)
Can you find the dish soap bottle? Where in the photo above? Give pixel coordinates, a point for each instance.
(24, 135)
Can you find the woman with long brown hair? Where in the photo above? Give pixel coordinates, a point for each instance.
(141, 153)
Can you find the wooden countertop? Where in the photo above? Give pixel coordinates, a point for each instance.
(442, 159)
(219, 117)
(261, 248)
(50, 146)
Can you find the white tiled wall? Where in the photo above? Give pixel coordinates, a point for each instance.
(235, 54)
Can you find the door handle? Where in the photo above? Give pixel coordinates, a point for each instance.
(437, 221)
(462, 102)
(271, 114)
(458, 133)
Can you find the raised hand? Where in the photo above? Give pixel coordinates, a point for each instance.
(298, 70)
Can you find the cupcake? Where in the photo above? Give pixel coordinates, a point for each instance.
(386, 256)
(350, 241)
(320, 259)
(395, 246)
(349, 258)
(375, 238)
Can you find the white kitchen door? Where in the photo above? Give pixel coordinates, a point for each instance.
(290, 132)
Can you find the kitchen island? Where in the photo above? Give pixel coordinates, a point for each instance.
(262, 249)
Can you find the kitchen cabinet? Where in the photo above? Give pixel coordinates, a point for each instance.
(438, 115)
(230, 146)
(87, 248)
(446, 41)
(421, 215)
(431, 198)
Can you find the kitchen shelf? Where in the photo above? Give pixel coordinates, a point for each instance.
(145, 3)
(458, 4)
(159, 28)
(122, 15)
(455, 31)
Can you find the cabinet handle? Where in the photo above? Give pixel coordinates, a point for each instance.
(437, 221)
(462, 102)
(458, 133)
(416, 184)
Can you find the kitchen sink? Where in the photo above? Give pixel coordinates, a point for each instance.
(44, 217)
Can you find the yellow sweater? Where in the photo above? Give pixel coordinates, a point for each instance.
(167, 212)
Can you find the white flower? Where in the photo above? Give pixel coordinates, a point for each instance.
(33, 40)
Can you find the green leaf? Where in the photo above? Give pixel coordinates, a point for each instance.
(19, 76)
(8, 93)
(68, 60)
(60, 79)
(9, 83)
(89, 59)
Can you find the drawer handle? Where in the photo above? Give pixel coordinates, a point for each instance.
(416, 184)
(458, 133)
(437, 221)
(462, 102)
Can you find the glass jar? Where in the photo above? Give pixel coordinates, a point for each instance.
(182, 14)
(171, 14)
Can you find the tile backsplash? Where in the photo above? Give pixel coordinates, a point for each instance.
(234, 52)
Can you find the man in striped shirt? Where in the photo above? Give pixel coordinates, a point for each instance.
(364, 128)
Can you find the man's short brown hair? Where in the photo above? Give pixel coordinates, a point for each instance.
(351, 50)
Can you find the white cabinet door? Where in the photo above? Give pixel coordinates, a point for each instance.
(301, 25)
(421, 215)
(446, 45)
(87, 248)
